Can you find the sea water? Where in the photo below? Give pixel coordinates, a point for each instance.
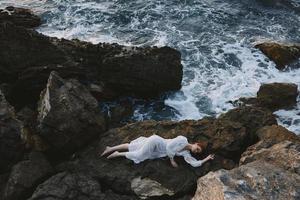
(216, 39)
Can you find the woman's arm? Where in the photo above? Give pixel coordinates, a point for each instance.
(209, 157)
(193, 161)
(173, 163)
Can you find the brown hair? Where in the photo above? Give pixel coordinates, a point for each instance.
(202, 144)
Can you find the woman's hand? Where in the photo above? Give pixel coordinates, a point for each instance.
(174, 164)
(210, 157)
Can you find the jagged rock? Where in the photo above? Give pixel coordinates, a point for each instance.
(252, 118)
(256, 180)
(227, 139)
(277, 144)
(20, 17)
(11, 129)
(272, 173)
(70, 186)
(275, 134)
(147, 188)
(277, 96)
(273, 96)
(69, 116)
(26, 175)
(3, 181)
(118, 113)
(280, 54)
(27, 58)
(284, 154)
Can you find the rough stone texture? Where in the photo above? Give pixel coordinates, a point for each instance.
(271, 173)
(226, 138)
(20, 17)
(284, 154)
(3, 181)
(277, 96)
(70, 186)
(252, 118)
(147, 188)
(69, 115)
(256, 180)
(119, 113)
(280, 54)
(11, 129)
(27, 58)
(26, 175)
(271, 135)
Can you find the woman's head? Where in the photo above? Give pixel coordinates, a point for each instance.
(198, 147)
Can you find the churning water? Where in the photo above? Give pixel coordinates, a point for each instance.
(215, 38)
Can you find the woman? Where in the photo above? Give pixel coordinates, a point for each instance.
(155, 146)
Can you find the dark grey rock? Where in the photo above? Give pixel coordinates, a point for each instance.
(26, 175)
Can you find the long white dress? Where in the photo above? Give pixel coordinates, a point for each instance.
(155, 146)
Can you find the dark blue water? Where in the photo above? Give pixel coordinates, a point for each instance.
(215, 37)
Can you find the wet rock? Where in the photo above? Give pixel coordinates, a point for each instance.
(20, 17)
(71, 186)
(69, 116)
(11, 130)
(271, 173)
(119, 113)
(280, 54)
(27, 58)
(26, 175)
(277, 96)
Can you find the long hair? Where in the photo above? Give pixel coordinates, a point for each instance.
(202, 144)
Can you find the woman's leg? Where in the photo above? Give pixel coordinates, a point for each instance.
(120, 147)
(116, 154)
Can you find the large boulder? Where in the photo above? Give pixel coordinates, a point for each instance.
(272, 173)
(271, 144)
(284, 154)
(26, 175)
(277, 96)
(20, 17)
(27, 58)
(70, 186)
(256, 180)
(11, 130)
(69, 116)
(280, 54)
(156, 178)
(252, 118)
(275, 134)
(269, 169)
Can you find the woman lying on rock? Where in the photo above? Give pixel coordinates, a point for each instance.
(155, 146)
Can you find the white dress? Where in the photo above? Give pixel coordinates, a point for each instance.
(155, 146)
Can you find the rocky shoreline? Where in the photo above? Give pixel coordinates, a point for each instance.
(52, 130)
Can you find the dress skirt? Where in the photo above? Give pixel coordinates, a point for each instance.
(144, 148)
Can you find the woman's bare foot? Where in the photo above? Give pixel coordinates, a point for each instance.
(106, 151)
(113, 155)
